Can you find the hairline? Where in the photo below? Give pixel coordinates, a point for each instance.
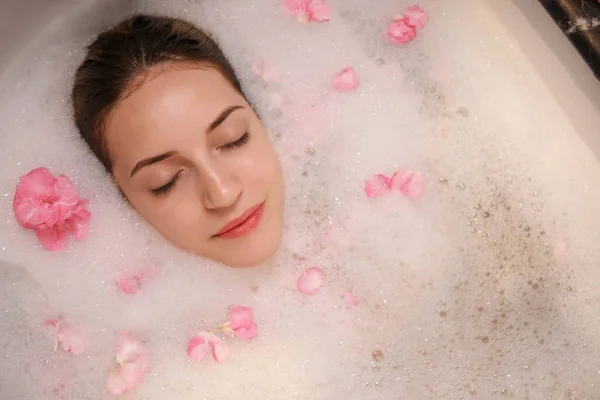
(146, 74)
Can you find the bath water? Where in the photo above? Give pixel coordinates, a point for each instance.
(485, 287)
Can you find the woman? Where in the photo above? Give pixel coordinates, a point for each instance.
(162, 108)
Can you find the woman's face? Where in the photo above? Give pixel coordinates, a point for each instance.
(194, 160)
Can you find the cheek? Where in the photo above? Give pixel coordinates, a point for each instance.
(173, 216)
(260, 165)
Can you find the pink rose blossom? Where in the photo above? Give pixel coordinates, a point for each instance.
(41, 199)
(308, 10)
(265, 71)
(51, 207)
(345, 80)
(399, 32)
(200, 344)
(350, 299)
(311, 280)
(134, 362)
(410, 183)
(71, 339)
(241, 323)
(131, 282)
(415, 16)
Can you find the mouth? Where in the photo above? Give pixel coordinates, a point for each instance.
(244, 224)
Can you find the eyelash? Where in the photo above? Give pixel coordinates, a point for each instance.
(161, 191)
(238, 143)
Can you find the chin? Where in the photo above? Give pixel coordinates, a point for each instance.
(253, 252)
(250, 259)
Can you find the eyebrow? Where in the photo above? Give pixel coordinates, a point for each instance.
(213, 125)
(222, 117)
(149, 161)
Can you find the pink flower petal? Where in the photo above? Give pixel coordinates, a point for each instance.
(247, 333)
(377, 186)
(31, 203)
(292, 6)
(134, 362)
(400, 32)
(220, 350)
(131, 282)
(409, 183)
(132, 372)
(241, 322)
(79, 222)
(54, 324)
(36, 183)
(240, 317)
(297, 7)
(311, 280)
(308, 10)
(71, 339)
(129, 348)
(51, 323)
(53, 239)
(415, 16)
(320, 11)
(29, 214)
(198, 346)
(66, 199)
(115, 384)
(345, 80)
(350, 299)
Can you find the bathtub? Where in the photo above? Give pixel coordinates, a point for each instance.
(561, 73)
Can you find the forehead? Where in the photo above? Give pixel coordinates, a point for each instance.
(166, 106)
(171, 94)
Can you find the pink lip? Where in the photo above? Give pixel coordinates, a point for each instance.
(244, 224)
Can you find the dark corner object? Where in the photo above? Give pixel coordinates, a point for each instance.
(580, 22)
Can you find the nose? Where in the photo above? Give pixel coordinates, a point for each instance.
(221, 190)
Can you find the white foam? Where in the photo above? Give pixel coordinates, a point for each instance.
(460, 303)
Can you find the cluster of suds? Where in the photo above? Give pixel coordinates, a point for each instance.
(484, 288)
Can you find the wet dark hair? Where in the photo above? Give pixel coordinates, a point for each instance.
(119, 60)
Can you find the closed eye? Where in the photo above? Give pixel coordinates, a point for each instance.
(161, 191)
(238, 143)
